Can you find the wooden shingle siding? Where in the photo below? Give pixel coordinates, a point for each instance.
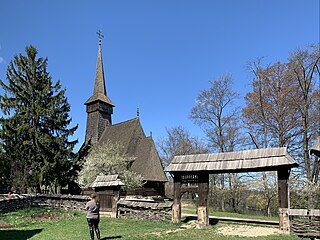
(131, 135)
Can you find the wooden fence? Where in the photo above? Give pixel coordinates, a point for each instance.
(305, 223)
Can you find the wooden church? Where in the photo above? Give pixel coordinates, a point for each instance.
(129, 133)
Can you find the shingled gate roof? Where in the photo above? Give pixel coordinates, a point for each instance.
(107, 181)
(242, 161)
(131, 135)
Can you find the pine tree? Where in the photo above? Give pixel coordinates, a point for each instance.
(35, 127)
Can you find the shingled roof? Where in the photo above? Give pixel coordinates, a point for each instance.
(107, 181)
(131, 135)
(246, 160)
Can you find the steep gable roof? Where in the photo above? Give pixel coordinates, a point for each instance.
(148, 163)
(131, 135)
(121, 132)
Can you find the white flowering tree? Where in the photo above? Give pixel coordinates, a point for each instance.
(107, 159)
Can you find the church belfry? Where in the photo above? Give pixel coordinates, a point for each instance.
(98, 107)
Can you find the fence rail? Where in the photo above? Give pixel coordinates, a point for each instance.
(305, 222)
(305, 212)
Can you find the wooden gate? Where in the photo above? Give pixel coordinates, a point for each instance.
(106, 201)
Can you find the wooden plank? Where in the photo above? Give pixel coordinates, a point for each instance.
(314, 212)
(305, 212)
(240, 220)
(298, 212)
(193, 189)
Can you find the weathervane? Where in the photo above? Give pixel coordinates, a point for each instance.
(100, 36)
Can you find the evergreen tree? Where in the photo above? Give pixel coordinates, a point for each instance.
(35, 127)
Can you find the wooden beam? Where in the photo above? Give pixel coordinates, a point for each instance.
(176, 206)
(283, 187)
(283, 197)
(203, 216)
(189, 190)
(203, 189)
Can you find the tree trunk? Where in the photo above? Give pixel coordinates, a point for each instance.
(38, 188)
(222, 195)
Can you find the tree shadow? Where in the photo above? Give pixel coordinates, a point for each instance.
(113, 237)
(18, 234)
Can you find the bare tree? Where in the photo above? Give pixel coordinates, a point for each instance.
(270, 115)
(304, 70)
(179, 142)
(283, 108)
(270, 110)
(216, 113)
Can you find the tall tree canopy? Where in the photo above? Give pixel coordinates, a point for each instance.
(35, 126)
(283, 108)
(271, 112)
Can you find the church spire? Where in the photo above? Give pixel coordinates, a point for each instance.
(98, 107)
(99, 91)
(99, 83)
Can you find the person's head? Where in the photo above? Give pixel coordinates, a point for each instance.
(93, 196)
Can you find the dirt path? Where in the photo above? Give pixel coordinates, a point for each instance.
(247, 231)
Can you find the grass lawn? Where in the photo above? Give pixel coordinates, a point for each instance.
(58, 225)
(191, 209)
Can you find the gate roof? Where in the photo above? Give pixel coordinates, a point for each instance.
(267, 159)
(107, 181)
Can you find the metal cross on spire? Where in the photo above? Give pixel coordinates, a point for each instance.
(100, 36)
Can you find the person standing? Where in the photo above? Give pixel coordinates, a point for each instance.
(93, 216)
(9, 196)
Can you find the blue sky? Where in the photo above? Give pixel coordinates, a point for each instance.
(158, 54)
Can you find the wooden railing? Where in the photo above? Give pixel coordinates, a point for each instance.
(305, 223)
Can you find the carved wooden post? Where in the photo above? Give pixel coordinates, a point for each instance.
(176, 206)
(203, 218)
(283, 196)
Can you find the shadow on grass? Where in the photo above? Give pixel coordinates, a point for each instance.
(192, 218)
(18, 234)
(113, 237)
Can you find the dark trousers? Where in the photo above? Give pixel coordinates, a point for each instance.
(94, 224)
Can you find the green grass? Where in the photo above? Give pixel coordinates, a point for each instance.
(191, 209)
(28, 224)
